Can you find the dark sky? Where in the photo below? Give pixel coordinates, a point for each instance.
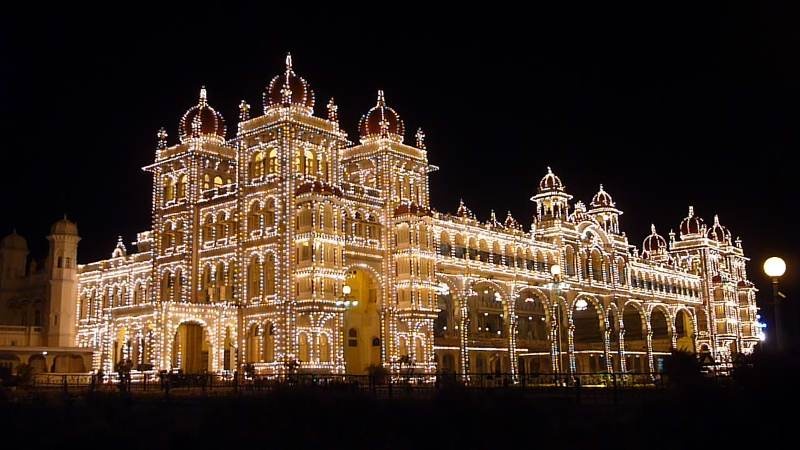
(665, 107)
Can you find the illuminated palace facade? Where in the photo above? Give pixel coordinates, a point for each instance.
(289, 247)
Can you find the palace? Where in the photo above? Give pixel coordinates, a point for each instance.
(288, 246)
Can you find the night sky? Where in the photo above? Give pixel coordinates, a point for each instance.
(666, 108)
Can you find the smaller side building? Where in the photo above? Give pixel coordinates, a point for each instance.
(38, 306)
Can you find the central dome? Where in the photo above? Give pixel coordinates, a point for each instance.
(381, 121)
(287, 89)
(201, 120)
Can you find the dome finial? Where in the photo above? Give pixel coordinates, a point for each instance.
(203, 95)
(653, 228)
(716, 219)
(691, 210)
(288, 62)
(549, 170)
(601, 187)
(381, 99)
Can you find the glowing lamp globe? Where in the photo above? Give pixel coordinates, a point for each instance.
(555, 270)
(346, 290)
(774, 267)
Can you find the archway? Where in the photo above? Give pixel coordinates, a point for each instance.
(661, 337)
(533, 333)
(487, 332)
(684, 331)
(587, 336)
(362, 323)
(190, 348)
(635, 343)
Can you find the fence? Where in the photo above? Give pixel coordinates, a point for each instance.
(582, 387)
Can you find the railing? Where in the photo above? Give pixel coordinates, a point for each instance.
(602, 385)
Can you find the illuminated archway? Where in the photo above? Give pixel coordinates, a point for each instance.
(190, 350)
(587, 336)
(684, 331)
(635, 343)
(362, 322)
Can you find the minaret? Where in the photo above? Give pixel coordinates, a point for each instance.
(63, 293)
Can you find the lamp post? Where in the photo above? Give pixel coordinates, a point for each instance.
(775, 267)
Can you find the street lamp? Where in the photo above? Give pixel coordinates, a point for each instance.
(775, 267)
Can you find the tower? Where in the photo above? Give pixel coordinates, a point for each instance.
(61, 266)
(605, 211)
(552, 202)
(13, 256)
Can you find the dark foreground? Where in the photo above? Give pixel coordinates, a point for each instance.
(300, 417)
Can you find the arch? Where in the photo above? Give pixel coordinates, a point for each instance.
(258, 165)
(684, 330)
(304, 350)
(272, 166)
(445, 246)
(190, 347)
(362, 322)
(533, 319)
(324, 348)
(660, 328)
(702, 321)
(169, 188)
(587, 321)
(597, 265)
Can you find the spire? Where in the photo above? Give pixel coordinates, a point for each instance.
(203, 96)
(381, 100)
(162, 138)
(120, 249)
(333, 111)
(244, 111)
(420, 138)
(286, 90)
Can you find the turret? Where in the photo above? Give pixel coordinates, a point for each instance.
(62, 267)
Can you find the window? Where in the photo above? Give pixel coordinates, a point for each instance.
(352, 337)
(60, 262)
(68, 262)
(169, 189)
(273, 161)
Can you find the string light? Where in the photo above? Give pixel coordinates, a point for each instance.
(291, 201)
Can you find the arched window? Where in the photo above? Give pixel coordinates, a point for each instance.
(169, 189)
(257, 165)
(206, 181)
(254, 216)
(269, 213)
(269, 274)
(273, 161)
(309, 163)
(218, 181)
(597, 266)
(181, 186)
(252, 278)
